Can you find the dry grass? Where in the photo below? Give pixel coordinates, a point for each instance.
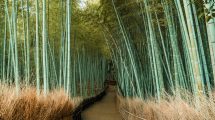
(168, 109)
(29, 106)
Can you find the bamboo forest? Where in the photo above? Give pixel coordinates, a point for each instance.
(107, 59)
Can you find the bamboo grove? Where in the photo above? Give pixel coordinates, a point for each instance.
(163, 46)
(30, 56)
(158, 47)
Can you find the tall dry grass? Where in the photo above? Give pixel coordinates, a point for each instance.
(30, 106)
(169, 108)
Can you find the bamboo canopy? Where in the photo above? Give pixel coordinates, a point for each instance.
(157, 46)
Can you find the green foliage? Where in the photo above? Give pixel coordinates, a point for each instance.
(159, 46)
(48, 46)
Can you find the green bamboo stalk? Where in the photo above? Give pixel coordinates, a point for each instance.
(131, 57)
(37, 49)
(210, 23)
(24, 31)
(194, 51)
(13, 41)
(69, 46)
(4, 48)
(202, 51)
(44, 49)
(62, 46)
(27, 44)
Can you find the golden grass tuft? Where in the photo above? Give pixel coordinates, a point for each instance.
(30, 106)
(168, 109)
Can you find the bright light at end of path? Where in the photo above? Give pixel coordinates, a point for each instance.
(84, 3)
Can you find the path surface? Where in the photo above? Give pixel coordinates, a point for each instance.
(105, 109)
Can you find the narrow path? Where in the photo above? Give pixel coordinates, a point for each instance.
(105, 109)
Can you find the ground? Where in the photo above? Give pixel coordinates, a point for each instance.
(106, 109)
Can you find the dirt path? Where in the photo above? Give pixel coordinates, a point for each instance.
(105, 109)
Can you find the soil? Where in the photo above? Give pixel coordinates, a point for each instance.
(106, 109)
